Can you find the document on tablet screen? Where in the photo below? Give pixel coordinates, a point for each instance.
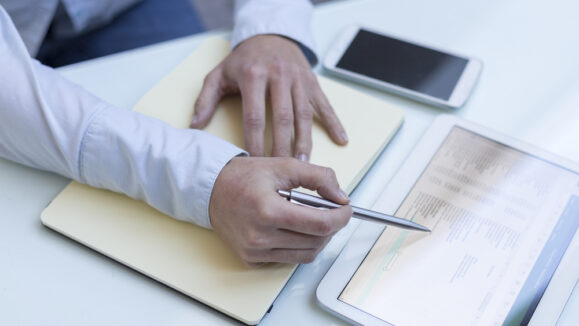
(492, 210)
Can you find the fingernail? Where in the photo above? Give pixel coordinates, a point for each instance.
(343, 137)
(303, 157)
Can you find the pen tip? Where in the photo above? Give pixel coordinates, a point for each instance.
(423, 228)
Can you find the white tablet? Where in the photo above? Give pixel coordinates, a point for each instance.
(502, 215)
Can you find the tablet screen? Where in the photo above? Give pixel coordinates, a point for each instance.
(501, 220)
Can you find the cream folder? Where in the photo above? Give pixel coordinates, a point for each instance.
(191, 259)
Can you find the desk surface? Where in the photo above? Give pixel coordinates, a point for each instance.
(529, 89)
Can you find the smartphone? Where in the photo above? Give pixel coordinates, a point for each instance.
(403, 67)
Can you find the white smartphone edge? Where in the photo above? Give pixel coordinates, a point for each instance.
(460, 93)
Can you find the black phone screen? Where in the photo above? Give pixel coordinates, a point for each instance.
(403, 64)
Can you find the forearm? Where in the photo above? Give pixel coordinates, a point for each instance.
(288, 18)
(173, 170)
(49, 123)
(43, 117)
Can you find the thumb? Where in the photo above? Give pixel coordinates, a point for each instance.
(207, 100)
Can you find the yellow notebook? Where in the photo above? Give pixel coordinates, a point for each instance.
(194, 260)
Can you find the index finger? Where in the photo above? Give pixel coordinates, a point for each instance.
(294, 174)
(312, 221)
(329, 118)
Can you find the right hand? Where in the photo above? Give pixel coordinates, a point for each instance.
(259, 225)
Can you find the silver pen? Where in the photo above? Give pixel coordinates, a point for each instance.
(361, 213)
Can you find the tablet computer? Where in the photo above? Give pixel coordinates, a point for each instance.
(502, 215)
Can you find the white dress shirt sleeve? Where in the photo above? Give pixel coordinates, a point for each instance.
(49, 123)
(289, 18)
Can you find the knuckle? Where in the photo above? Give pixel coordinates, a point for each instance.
(254, 72)
(325, 111)
(255, 264)
(329, 173)
(255, 240)
(254, 120)
(305, 114)
(284, 116)
(309, 257)
(267, 215)
(297, 70)
(324, 227)
(245, 257)
(251, 262)
(278, 66)
(249, 257)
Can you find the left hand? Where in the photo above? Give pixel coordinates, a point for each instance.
(274, 65)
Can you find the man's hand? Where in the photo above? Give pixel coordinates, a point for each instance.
(270, 65)
(261, 226)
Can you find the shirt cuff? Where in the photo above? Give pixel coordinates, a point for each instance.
(173, 170)
(290, 19)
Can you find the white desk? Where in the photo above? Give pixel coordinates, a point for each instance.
(529, 89)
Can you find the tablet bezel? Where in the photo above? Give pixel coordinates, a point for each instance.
(364, 237)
